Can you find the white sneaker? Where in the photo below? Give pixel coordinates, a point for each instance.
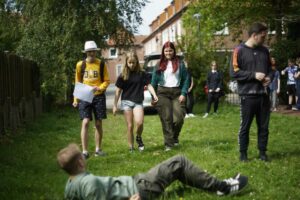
(168, 148)
(235, 184)
(295, 108)
(191, 115)
(206, 115)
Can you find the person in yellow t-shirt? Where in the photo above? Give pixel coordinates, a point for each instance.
(92, 77)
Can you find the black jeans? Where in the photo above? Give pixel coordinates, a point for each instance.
(213, 97)
(153, 183)
(259, 107)
(189, 102)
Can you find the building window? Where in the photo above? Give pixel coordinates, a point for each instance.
(179, 30)
(113, 53)
(118, 69)
(165, 36)
(172, 31)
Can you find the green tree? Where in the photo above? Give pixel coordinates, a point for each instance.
(54, 32)
(10, 32)
(279, 15)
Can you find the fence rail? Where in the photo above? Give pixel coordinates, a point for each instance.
(20, 98)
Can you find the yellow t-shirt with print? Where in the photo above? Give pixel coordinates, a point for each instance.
(91, 76)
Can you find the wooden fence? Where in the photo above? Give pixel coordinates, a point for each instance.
(20, 99)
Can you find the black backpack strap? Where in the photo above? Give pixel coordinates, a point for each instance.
(83, 66)
(101, 70)
(102, 64)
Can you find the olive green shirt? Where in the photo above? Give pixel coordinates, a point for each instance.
(87, 186)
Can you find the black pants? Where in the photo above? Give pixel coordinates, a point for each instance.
(153, 183)
(213, 97)
(259, 107)
(189, 102)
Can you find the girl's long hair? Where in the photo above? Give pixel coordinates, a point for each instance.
(164, 61)
(126, 70)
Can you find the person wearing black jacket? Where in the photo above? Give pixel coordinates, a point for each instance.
(251, 67)
(214, 84)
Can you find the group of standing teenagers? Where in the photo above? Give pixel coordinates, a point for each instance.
(169, 88)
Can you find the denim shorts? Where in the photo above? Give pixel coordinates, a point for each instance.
(130, 105)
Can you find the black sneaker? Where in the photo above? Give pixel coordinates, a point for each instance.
(140, 143)
(243, 157)
(100, 153)
(263, 156)
(131, 149)
(234, 185)
(86, 155)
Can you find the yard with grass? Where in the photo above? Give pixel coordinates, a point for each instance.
(29, 170)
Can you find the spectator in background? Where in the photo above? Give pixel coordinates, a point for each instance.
(214, 84)
(290, 70)
(297, 79)
(190, 97)
(274, 86)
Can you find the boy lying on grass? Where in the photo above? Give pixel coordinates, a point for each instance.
(149, 185)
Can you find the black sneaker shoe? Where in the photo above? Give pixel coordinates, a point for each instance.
(86, 155)
(243, 157)
(131, 149)
(263, 156)
(140, 143)
(100, 153)
(234, 185)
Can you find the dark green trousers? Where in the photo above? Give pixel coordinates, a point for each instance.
(171, 113)
(153, 183)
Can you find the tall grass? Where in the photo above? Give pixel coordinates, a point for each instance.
(29, 170)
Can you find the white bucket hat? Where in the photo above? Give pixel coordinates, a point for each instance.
(90, 46)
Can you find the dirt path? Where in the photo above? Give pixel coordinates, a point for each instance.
(282, 110)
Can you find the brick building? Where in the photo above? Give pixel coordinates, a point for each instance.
(168, 26)
(115, 57)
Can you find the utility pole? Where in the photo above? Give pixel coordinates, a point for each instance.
(197, 16)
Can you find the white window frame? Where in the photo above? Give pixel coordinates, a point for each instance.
(118, 69)
(113, 56)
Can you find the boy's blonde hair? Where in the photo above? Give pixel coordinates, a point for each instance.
(67, 158)
(126, 70)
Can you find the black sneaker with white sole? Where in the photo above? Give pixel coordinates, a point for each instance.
(100, 153)
(234, 185)
(85, 155)
(140, 143)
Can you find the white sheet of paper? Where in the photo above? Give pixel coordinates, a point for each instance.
(83, 92)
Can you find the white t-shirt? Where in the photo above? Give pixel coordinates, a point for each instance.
(171, 79)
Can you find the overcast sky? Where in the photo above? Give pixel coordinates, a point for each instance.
(150, 12)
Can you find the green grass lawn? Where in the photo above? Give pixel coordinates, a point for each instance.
(29, 170)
